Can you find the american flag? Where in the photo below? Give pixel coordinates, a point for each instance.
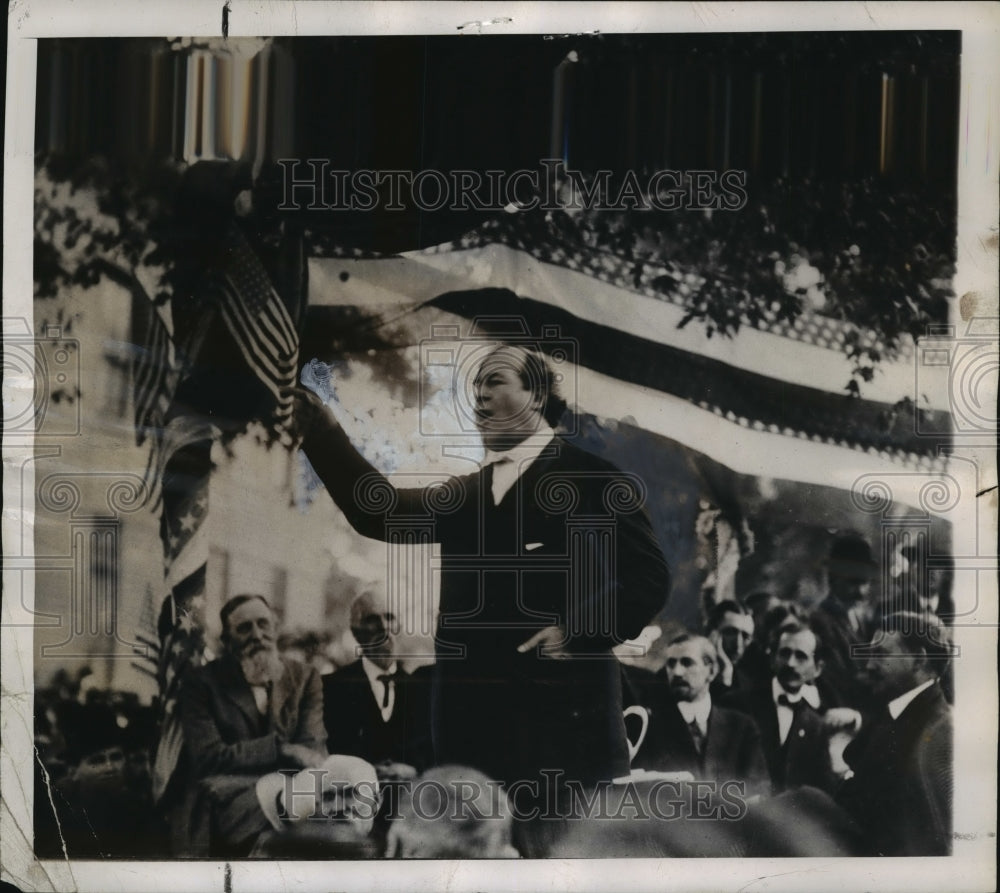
(154, 373)
(182, 435)
(258, 320)
(181, 621)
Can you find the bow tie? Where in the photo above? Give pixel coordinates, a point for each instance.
(785, 701)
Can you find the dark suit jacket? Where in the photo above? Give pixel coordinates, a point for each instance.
(228, 745)
(840, 683)
(354, 723)
(732, 747)
(565, 546)
(225, 733)
(804, 759)
(901, 791)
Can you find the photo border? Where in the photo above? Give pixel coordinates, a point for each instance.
(971, 867)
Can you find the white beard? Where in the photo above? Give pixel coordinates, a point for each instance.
(261, 667)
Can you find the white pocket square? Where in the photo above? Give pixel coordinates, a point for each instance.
(530, 547)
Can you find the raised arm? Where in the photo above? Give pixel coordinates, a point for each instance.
(365, 496)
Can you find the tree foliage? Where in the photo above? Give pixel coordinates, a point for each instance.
(873, 255)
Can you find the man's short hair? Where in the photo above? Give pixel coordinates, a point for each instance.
(921, 633)
(467, 816)
(777, 619)
(719, 610)
(365, 604)
(537, 376)
(707, 648)
(791, 627)
(234, 603)
(758, 595)
(851, 556)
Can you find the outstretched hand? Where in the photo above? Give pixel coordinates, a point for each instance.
(309, 408)
(551, 642)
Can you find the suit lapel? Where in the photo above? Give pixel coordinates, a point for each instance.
(527, 483)
(919, 713)
(716, 740)
(677, 735)
(234, 686)
(364, 698)
(767, 713)
(281, 693)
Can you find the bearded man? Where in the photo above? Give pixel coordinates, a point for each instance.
(245, 714)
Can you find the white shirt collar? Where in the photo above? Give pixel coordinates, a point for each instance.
(510, 464)
(898, 705)
(696, 710)
(808, 693)
(373, 671)
(525, 452)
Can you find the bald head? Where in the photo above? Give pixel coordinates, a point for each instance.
(375, 628)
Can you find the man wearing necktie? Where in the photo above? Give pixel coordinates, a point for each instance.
(898, 787)
(690, 733)
(247, 713)
(789, 713)
(372, 708)
(547, 560)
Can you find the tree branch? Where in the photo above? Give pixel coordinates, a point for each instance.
(122, 277)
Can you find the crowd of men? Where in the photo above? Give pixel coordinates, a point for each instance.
(770, 732)
(846, 699)
(281, 762)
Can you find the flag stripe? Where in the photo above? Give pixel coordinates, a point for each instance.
(649, 359)
(259, 352)
(155, 378)
(601, 299)
(258, 320)
(269, 364)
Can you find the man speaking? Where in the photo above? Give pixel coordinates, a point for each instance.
(547, 561)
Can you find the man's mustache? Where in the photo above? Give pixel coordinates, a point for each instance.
(252, 648)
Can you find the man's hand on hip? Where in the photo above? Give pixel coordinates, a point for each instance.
(550, 641)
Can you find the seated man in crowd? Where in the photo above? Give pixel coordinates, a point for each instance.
(730, 627)
(245, 714)
(846, 617)
(689, 733)
(325, 812)
(898, 788)
(788, 713)
(372, 708)
(97, 809)
(452, 812)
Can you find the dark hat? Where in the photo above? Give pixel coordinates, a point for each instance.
(851, 556)
(91, 728)
(756, 597)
